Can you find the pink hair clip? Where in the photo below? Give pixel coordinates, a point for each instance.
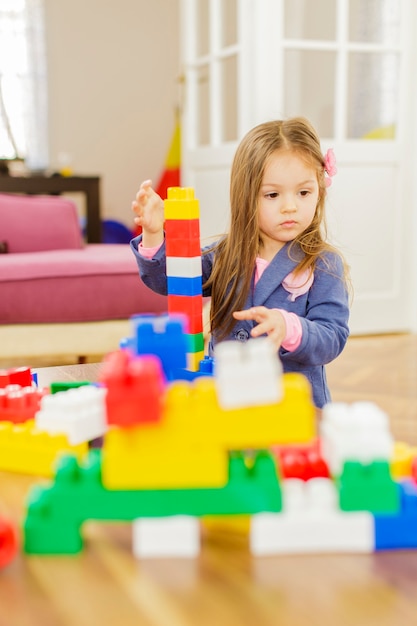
(329, 166)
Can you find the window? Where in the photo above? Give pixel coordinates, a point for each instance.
(23, 93)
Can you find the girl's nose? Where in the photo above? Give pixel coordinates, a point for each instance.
(289, 205)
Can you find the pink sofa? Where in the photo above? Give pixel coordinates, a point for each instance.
(58, 295)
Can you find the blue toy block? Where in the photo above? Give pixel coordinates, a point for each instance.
(164, 336)
(179, 286)
(207, 366)
(399, 530)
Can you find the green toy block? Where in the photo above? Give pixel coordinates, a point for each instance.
(368, 487)
(55, 387)
(55, 513)
(195, 342)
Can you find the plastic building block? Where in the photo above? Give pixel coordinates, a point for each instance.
(179, 286)
(9, 542)
(311, 522)
(304, 462)
(164, 337)
(196, 343)
(182, 230)
(207, 365)
(21, 376)
(400, 530)
(368, 488)
(182, 238)
(27, 450)
(358, 432)
(247, 374)
(191, 307)
(130, 463)
(177, 536)
(194, 360)
(184, 267)
(181, 204)
(79, 413)
(402, 460)
(55, 514)
(56, 386)
(184, 247)
(19, 404)
(135, 388)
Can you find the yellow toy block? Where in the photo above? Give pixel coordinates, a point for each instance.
(193, 360)
(181, 204)
(187, 447)
(27, 450)
(127, 464)
(402, 460)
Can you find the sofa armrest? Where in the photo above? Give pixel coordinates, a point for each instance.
(34, 223)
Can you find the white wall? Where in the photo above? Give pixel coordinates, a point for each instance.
(112, 73)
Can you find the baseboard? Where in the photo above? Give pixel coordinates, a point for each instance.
(76, 339)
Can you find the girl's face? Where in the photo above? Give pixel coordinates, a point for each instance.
(288, 198)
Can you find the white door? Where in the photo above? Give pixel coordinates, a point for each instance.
(348, 66)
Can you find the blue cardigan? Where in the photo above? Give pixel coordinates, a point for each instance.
(323, 310)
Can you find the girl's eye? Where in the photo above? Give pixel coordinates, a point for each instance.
(272, 194)
(304, 192)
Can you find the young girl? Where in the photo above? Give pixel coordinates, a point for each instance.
(273, 273)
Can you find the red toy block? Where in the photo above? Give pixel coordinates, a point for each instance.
(182, 229)
(135, 388)
(192, 307)
(182, 247)
(19, 404)
(182, 238)
(304, 462)
(8, 542)
(16, 376)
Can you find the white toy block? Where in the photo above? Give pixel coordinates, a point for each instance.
(359, 432)
(176, 536)
(80, 413)
(247, 374)
(311, 522)
(184, 267)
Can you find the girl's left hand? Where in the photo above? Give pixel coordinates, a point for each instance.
(270, 322)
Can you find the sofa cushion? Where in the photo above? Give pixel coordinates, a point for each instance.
(33, 223)
(99, 282)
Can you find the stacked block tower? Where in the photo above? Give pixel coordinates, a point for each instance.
(184, 273)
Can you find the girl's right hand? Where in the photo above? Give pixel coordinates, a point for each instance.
(148, 208)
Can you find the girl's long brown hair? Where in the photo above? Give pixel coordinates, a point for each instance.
(235, 254)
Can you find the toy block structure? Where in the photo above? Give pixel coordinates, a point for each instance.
(79, 413)
(189, 443)
(183, 266)
(19, 404)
